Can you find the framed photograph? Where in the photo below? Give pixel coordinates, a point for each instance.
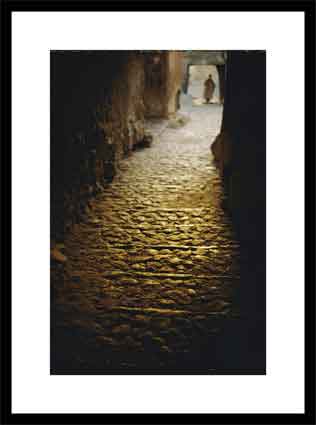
(156, 203)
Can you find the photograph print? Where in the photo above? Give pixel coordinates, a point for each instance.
(158, 212)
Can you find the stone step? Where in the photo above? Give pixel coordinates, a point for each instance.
(142, 246)
(168, 311)
(159, 209)
(184, 276)
(154, 227)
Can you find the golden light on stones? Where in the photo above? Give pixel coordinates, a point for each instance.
(150, 268)
(150, 247)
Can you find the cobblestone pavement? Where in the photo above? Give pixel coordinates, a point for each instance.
(151, 274)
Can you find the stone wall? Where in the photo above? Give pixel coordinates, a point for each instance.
(163, 71)
(99, 102)
(242, 145)
(155, 84)
(174, 81)
(243, 140)
(97, 116)
(241, 153)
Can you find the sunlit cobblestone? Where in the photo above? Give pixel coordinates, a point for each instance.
(150, 274)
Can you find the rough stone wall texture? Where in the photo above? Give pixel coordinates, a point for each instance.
(221, 69)
(97, 116)
(156, 84)
(99, 101)
(174, 81)
(163, 83)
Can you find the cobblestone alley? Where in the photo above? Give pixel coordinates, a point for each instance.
(151, 274)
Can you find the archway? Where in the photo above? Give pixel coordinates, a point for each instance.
(197, 76)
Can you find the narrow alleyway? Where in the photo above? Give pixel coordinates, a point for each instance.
(151, 274)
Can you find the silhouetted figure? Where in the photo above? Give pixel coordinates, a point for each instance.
(209, 87)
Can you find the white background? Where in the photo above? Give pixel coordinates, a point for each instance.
(282, 35)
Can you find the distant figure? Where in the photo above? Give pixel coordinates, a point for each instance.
(209, 87)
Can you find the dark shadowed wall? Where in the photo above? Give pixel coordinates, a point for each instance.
(97, 116)
(244, 124)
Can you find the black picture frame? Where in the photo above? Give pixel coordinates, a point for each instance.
(306, 6)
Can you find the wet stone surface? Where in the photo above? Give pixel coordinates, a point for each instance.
(151, 274)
